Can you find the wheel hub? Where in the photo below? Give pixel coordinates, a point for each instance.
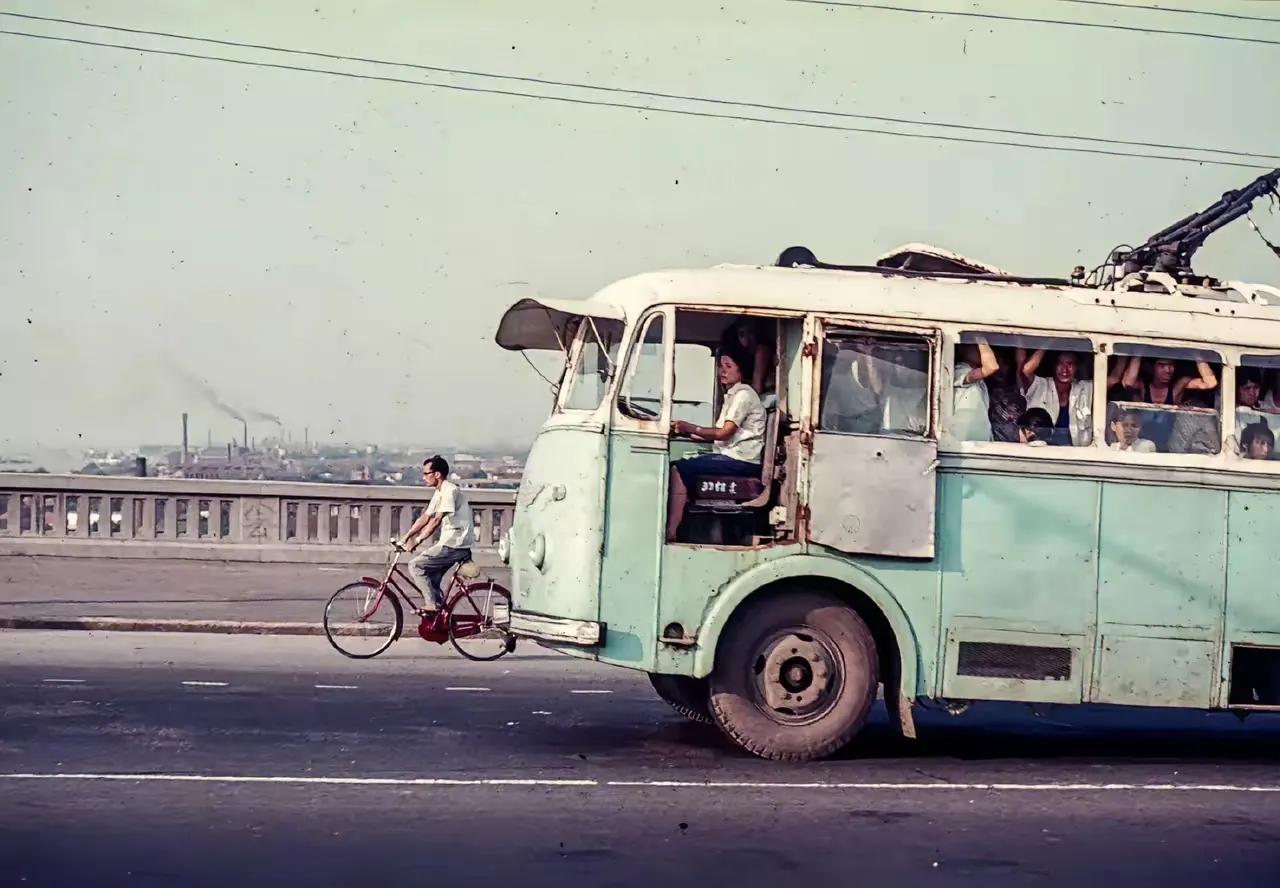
(797, 676)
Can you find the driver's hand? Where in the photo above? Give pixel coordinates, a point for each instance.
(679, 427)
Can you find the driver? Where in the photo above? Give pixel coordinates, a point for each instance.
(737, 438)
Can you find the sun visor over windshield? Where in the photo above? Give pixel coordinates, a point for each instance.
(545, 323)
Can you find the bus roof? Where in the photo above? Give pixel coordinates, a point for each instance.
(1147, 305)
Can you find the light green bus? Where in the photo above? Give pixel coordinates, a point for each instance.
(909, 536)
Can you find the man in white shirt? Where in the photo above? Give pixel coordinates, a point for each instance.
(450, 513)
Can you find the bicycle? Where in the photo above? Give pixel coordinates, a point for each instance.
(475, 613)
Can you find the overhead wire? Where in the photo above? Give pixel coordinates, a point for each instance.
(646, 93)
(1007, 17)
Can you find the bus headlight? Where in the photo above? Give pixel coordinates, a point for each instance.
(538, 550)
(504, 547)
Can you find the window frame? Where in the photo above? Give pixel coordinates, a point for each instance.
(951, 335)
(826, 324)
(635, 344)
(569, 375)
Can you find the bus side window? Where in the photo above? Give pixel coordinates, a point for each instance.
(1166, 400)
(1257, 406)
(642, 387)
(875, 384)
(1004, 384)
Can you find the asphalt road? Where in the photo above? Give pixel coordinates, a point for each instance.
(173, 589)
(135, 759)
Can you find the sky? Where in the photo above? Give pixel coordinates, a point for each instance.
(338, 251)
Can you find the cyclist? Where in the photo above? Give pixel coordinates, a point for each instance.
(450, 513)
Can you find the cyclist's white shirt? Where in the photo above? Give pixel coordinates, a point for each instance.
(456, 528)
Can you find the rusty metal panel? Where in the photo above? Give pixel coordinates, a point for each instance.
(873, 495)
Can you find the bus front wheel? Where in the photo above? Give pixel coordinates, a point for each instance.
(795, 676)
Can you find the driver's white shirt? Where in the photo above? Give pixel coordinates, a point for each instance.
(742, 407)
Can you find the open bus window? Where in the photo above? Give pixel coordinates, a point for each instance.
(1257, 406)
(875, 384)
(992, 403)
(1164, 400)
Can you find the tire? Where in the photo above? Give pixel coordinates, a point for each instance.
(345, 603)
(687, 696)
(795, 676)
(472, 607)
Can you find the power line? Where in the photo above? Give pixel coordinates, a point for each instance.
(649, 108)
(1070, 23)
(1175, 10)
(641, 92)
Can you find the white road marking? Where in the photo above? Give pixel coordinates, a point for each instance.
(646, 784)
(467, 689)
(332, 569)
(337, 687)
(591, 692)
(63, 681)
(540, 712)
(205, 684)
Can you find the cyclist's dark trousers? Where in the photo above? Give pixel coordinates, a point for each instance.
(429, 568)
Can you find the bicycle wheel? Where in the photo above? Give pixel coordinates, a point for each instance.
(361, 620)
(478, 617)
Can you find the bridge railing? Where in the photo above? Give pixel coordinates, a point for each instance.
(231, 520)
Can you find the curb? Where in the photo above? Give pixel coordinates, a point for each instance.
(127, 624)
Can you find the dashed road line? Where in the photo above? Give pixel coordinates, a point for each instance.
(337, 687)
(477, 690)
(591, 692)
(654, 784)
(62, 681)
(205, 684)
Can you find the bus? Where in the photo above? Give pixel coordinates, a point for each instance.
(907, 538)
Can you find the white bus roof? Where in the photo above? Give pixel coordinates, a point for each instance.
(1230, 314)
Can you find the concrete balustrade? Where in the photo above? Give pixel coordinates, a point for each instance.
(130, 517)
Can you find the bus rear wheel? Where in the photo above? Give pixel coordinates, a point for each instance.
(687, 696)
(795, 676)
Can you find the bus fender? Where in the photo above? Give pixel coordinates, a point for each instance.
(722, 606)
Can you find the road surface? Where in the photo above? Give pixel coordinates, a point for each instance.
(172, 589)
(136, 759)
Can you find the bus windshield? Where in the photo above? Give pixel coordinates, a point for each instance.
(592, 361)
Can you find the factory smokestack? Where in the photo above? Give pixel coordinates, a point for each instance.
(186, 453)
(246, 434)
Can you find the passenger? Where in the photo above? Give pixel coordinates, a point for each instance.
(1005, 394)
(1126, 432)
(1258, 441)
(1035, 426)
(756, 338)
(1118, 367)
(1161, 387)
(971, 418)
(1067, 399)
(737, 439)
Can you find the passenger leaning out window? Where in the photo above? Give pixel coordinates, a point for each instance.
(971, 401)
(1065, 397)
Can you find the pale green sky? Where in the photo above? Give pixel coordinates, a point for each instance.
(337, 251)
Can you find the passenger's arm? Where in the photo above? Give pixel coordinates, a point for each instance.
(1130, 380)
(990, 364)
(1027, 370)
(1207, 382)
